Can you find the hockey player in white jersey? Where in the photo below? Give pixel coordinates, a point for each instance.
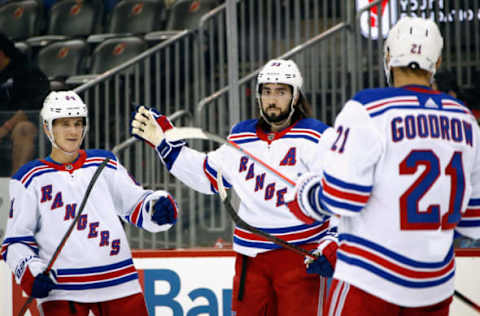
(403, 175)
(268, 280)
(94, 271)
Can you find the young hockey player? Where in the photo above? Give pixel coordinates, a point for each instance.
(94, 271)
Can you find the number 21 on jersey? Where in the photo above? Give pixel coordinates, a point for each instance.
(341, 140)
(411, 217)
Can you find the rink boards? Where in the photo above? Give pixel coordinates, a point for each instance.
(199, 282)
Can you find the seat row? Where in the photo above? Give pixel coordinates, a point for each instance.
(22, 20)
(72, 62)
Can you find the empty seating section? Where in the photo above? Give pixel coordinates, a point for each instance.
(137, 17)
(20, 20)
(115, 51)
(68, 19)
(74, 18)
(186, 14)
(85, 37)
(62, 59)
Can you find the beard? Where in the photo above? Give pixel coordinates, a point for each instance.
(277, 118)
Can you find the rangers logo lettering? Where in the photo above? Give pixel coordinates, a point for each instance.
(370, 19)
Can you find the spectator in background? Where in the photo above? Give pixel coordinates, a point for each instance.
(446, 81)
(23, 87)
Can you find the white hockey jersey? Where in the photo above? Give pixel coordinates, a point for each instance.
(262, 194)
(96, 263)
(403, 173)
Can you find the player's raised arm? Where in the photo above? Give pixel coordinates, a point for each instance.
(193, 168)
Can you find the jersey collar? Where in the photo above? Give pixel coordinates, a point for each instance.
(70, 167)
(271, 136)
(420, 88)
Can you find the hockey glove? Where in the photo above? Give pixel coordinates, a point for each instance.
(326, 259)
(146, 125)
(164, 211)
(38, 286)
(303, 202)
(149, 125)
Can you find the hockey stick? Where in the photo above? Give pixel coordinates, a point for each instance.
(226, 199)
(467, 301)
(70, 229)
(179, 133)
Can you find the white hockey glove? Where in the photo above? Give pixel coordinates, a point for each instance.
(303, 203)
(150, 126)
(146, 125)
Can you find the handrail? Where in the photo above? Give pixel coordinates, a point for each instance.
(131, 140)
(109, 73)
(211, 13)
(324, 35)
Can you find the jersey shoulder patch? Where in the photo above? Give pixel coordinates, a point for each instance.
(367, 96)
(95, 157)
(100, 153)
(313, 124)
(248, 126)
(26, 168)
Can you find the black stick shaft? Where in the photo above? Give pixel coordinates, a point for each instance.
(467, 301)
(241, 223)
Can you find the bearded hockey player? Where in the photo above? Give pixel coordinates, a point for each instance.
(268, 280)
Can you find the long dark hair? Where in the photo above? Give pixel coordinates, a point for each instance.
(302, 109)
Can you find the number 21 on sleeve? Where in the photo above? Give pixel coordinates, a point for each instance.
(342, 136)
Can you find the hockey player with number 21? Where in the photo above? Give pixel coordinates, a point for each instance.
(268, 280)
(403, 174)
(94, 270)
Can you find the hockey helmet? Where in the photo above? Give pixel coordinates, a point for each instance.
(280, 71)
(63, 104)
(413, 42)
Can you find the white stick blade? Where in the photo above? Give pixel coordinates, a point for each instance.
(179, 133)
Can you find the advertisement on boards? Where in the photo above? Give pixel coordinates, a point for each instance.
(191, 283)
(187, 284)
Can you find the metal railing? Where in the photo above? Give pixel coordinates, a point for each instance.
(337, 45)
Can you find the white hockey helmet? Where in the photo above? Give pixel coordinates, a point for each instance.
(63, 104)
(280, 71)
(413, 42)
